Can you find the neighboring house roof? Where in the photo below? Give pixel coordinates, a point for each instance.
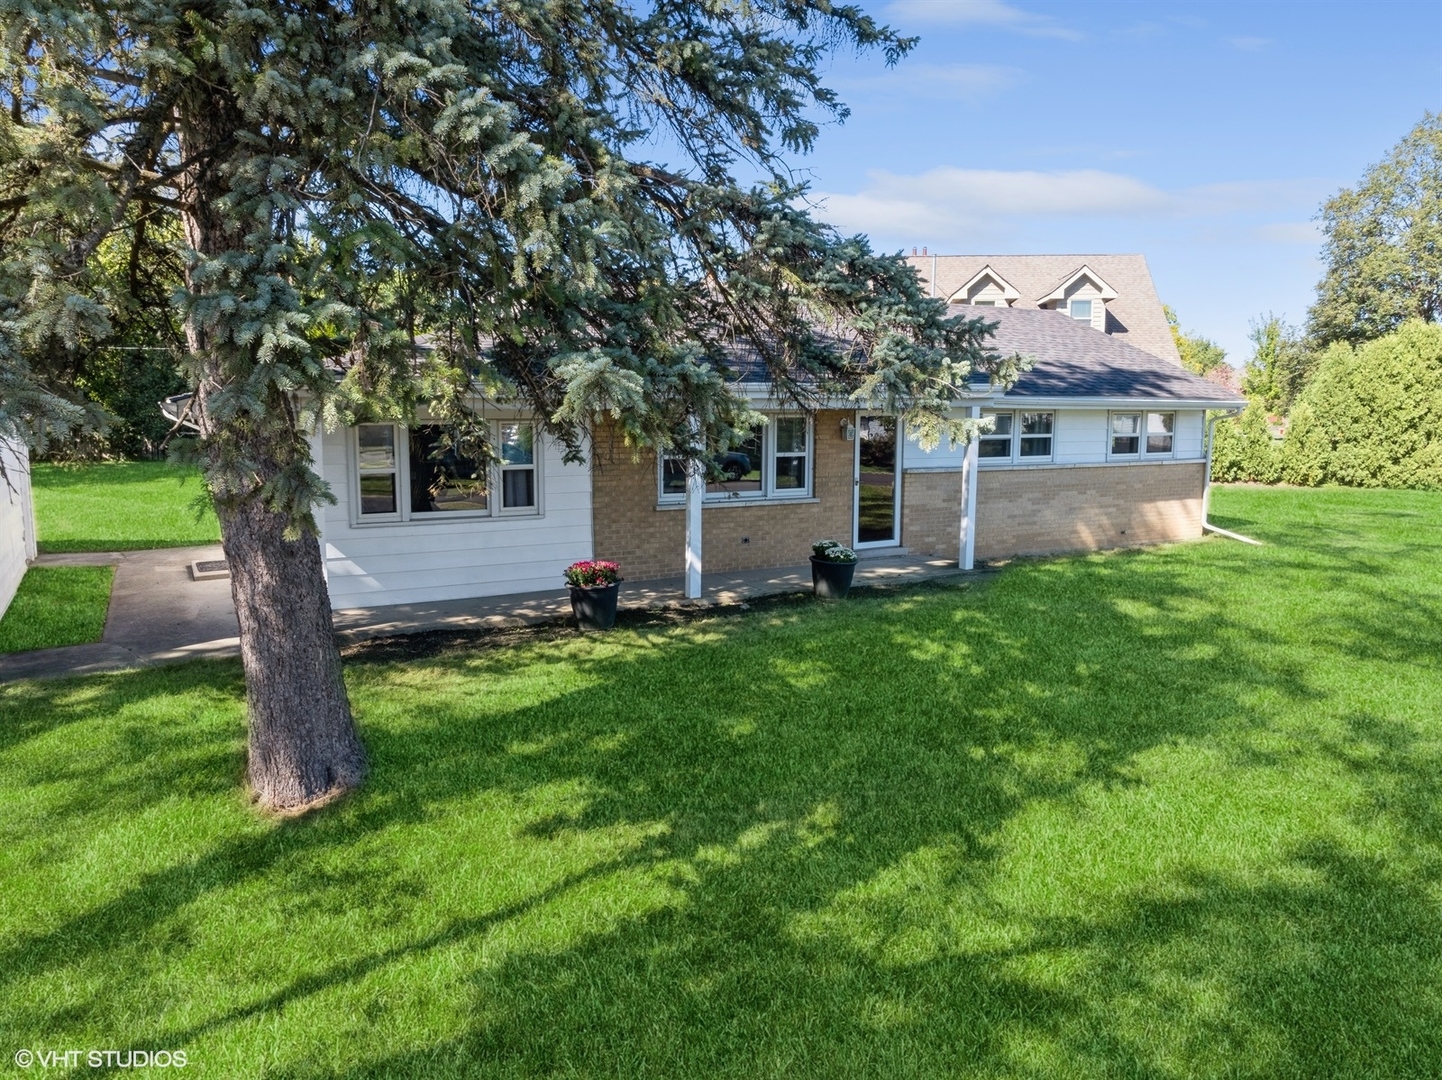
(1008, 290)
(1135, 316)
(1059, 293)
(1074, 361)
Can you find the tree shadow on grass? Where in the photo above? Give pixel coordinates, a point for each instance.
(781, 844)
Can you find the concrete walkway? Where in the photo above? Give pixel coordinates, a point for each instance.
(158, 615)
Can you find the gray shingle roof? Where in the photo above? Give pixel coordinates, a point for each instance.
(1073, 360)
(1135, 316)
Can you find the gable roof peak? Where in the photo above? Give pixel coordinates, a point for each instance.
(1008, 291)
(1084, 271)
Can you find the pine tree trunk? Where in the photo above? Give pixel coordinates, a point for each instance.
(303, 744)
(304, 748)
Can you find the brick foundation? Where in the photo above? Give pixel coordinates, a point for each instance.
(1040, 511)
(650, 543)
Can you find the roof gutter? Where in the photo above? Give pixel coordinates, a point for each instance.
(1207, 526)
(1079, 402)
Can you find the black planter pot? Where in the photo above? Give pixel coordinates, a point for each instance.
(595, 609)
(831, 580)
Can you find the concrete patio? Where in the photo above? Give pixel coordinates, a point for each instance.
(158, 615)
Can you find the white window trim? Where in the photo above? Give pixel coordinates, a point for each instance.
(404, 515)
(1159, 455)
(1142, 454)
(399, 464)
(769, 493)
(1015, 458)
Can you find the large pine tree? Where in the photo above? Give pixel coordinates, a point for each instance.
(548, 187)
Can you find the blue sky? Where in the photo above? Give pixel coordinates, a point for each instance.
(1202, 135)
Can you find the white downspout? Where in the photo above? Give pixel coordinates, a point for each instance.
(967, 561)
(933, 273)
(695, 495)
(1207, 526)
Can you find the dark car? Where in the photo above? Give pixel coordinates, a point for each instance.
(734, 464)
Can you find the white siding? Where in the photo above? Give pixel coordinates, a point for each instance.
(423, 561)
(1190, 430)
(1080, 439)
(1081, 436)
(17, 522)
(943, 456)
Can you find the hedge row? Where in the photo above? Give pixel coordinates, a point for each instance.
(1369, 417)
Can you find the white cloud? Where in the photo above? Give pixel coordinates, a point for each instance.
(1291, 232)
(950, 82)
(994, 13)
(976, 205)
(1249, 44)
(972, 193)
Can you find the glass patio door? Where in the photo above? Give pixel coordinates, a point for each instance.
(877, 490)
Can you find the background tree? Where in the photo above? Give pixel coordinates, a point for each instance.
(1383, 245)
(1199, 355)
(1279, 367)
(343, 177)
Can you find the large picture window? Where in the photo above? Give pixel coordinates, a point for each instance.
(1018, 436)
(774, 462)
(442, 480)
(418, 474)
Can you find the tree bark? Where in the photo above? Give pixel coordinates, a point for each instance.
(304, 748)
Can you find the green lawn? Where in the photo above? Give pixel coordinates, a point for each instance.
(1175, 813)
(57, 605)
(120, 506)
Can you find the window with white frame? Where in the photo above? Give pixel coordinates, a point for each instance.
(1161, 432)
(1081, 310)
(789, 471)
(377, 472)
(774, 462)
(1034, 438)
(1138, 434)
(420, 474)
(442, 479)
(1018, 436)
(997, 442)
(517, 451)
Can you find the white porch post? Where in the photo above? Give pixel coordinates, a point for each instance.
(967, 560)
(695, 494)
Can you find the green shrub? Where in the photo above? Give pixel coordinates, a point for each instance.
(1245, 450)
(1305, 451)
(1372, 417)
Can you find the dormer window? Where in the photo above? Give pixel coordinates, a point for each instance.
(1083, 296)
(986, 288)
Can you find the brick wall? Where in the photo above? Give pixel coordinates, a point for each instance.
(650, 543)
(931, 513)
(1037, 511)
